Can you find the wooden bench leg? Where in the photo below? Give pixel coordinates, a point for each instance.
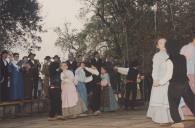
(3, 111)
(31, 108)
(38, 106)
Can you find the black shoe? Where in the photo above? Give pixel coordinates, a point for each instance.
(133, 109)
(126, 109)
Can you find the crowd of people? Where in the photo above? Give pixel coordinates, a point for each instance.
(89, 86)
(19, 79)
(77, 87)
(73, 87)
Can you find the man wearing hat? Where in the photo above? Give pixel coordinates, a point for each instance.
(35, 68)
(55, 89)
(45, 72)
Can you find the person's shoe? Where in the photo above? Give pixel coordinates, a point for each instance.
(52, 119)
(133, 109)
(177, 125)
(73, 116)
(189, 118)
(96, 113)
(83, 115)
(59, 117)
(126, 109)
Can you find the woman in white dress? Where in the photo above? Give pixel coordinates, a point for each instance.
(162, 72)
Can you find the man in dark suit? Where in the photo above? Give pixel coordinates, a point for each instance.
(4, 89)
(35, 68)
(131, 85)
(72, 64)
(97, 61)
(55, 89)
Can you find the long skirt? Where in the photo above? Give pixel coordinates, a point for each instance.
(158, 109)
(79, 108)
(185, 109)
(72, 104)
(108, 100)
(81, 88)
(16, 86)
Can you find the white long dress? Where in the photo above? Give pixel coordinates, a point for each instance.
(158, 109)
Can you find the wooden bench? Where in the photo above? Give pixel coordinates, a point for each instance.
(22, 104)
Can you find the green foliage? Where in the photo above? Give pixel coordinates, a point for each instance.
(128, 26)
(19, 23)
(70, 40)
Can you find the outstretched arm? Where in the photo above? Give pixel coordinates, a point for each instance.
(123, 71)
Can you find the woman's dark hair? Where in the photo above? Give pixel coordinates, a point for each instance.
(65, 62)
(133, 64)
(15, 54)
(173, 47)
(95, 53)
(105, 67)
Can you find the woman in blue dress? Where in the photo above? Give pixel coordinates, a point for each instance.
(16, 79)
(108, 100)
(80, 77)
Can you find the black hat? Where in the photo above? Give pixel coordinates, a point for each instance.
(47, 58)
(31, 54)
(4, 52)
(56, 56)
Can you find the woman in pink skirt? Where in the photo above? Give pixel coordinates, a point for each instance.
(72, 105)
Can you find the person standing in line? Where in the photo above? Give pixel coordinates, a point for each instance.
(80, 77)
(72, 64)
(16, 79)
(22, 62)
(179, 85)
(89, 85)
(131, 83)
(189, 52)
(94, 89)
(55, 103)
(27, 73)
(35, 65)
(97, 61)
(158, 109)
(45, 72)
(72, 104)
(113, 76)
(5, 77)
(108, 100)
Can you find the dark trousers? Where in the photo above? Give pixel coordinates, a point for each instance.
(142, 89)
(35, 87)
(55, 102)
(4, 91)
(130, 89)
(0, 93)
(95, 100)
(175, 92)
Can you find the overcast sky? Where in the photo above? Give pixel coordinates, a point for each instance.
(55, 13)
